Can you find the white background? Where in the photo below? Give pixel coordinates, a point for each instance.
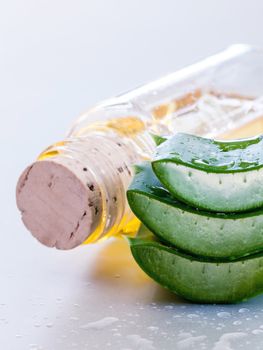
(57, 58)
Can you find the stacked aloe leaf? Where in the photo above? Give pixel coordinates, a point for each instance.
(201, 202)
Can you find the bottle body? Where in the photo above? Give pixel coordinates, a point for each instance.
(212, 98)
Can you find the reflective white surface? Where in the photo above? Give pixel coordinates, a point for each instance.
(58, 58)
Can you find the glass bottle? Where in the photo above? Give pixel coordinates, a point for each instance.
(221, 97)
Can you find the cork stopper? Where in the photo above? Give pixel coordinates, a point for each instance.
(59, 201)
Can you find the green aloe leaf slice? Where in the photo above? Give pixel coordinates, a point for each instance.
(199, 279)
(222, 176)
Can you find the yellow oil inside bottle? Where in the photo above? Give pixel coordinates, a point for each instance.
(125, 228)
(52, 151)
(123, 126)
(250, 129)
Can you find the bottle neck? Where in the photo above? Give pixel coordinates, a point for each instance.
(107, 159)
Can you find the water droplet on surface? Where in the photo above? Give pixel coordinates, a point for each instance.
(192, 315)
(100, 324)
(189, 342)
(223, 314)
(184, 335)
(224, 342)
(243, 309)
(169, 307)
(141, 343)
(74, 318)
(153, 328)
